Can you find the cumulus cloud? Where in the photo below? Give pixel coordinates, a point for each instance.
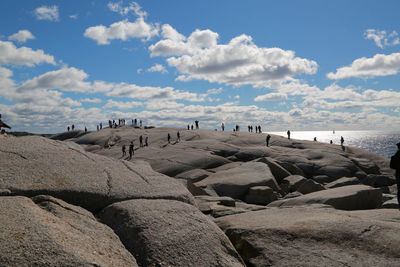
(378, 65)
(91, 100)
(22, 56)
(122, 105)
(157, 68)
(239, 62)
(49, 13)
(271, 97)
(133, 7)
(122, 30)
(21, 36)
(381, 38)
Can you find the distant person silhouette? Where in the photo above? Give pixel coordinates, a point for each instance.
(395, 164)
(191, 127)
(259, 129)
(288, 134)
(140, 123)
(131, 150)
(141, 141)
(146, 141)
(222, 126)
(101, 125)
(331, 142)
(85, 129)
(341, 140)
(73, 127)
(97, 127)
(315, 139)
(188, 127)
(178, 135)
(169, 138)
(197, 124)
(123, 150)
(267, 139)
(68, 128)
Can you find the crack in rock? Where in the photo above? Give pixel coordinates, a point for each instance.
(134, 171)
(14, 153)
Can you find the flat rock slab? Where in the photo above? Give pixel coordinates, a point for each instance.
(235, 182)
(169, 233)
(54, 233)
(35, 165)
(352, 197)
(308, 236)
(343, 182)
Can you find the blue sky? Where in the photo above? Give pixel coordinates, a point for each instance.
(300, 65)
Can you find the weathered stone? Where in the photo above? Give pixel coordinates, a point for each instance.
(236, 181)
(391, 204)
(54, 233)
(260, 195)
(310, 186)
(194, 175)
(169, 233)
(378, 180)
(308, 236)
(277, 170)
(322, 179)
(294, 182)
(343, 182)
(35, 165)
(351, 197)
(292, 195)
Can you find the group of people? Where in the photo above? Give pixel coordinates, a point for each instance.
(178, 137)
(136, 124)
(250, 128)
(120, 123)
(191, 127)
(143, 142)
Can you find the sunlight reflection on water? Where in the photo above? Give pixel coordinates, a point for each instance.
(379, 142)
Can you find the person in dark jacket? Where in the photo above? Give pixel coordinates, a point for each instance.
(131, 150)
(395, 164)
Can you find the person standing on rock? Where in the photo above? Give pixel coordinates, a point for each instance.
(85, 129)
(395, 164)
(341, 140)
(141, 141)
(267, 139)
(188, 127)
(222, 126)
(169, 138)
(178, 135)
(197, 124)
(68, 128)
(288, 134)
(123, 150)
(146, 141)
(191, 127)
(131, 150)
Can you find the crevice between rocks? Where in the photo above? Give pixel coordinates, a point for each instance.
(14, 153)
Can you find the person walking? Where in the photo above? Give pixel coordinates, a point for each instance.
(131, 150)
(223, 126)
(178, 135)
(288, 134)
(169, 138)
(395, 164)
(341, 140)
(267, 139)
(123, 150)
(146, 141)
(141, 141)
(68, 128)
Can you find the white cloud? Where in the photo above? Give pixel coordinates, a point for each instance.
(49, 13)
(91, 100)
(378, 65)
(122, 105)
(157, 68)
(22, 56)
(381, 38)
(271, 97)
(133, 7)
(239, 62)
(122, 30)
(73, 16)
(21, 36)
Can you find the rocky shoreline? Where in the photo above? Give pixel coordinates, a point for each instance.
(211, 199)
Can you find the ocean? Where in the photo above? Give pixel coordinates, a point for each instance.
(379, 142)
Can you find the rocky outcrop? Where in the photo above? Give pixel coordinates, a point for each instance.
(260, 195)
(169, 233)
(352, 197)
(309, 236)
(54, 233)
(236, 182)
(36, 165)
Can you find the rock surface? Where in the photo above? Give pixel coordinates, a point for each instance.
(54, 233)
(35, 165)
(310, 236)
(352, 197)
(235, 182)
(169, 233)
(260, 195)
(343, 182)
(310, 186)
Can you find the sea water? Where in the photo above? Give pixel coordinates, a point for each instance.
(379, 142)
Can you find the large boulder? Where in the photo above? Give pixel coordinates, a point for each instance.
(308, 236)
(236, 181)
(352, 197)
(310, 186)
(277, 170)
(194, 175)
(378, 180)
(343, 182)
(54, 233)
(35, 165)
(169, 233)
(260, 195)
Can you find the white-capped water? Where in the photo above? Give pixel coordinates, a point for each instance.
(379, 142)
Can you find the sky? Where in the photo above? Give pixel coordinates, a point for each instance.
(299, 65)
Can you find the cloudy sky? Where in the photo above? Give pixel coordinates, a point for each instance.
(299, 65)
